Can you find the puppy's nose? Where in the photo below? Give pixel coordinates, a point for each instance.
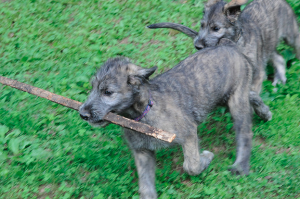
(199, 43)
(85, 116)
(199, 46)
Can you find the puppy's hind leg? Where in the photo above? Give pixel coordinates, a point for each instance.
(194, 162)
(294, 40)
(258, 79)
(291, 33)
(240, 110)
(279, 68)
(262, 110)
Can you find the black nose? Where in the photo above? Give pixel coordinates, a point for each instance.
(199, 47)
(85, 116)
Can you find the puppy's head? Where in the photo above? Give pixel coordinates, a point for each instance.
(219, 21)
(115, 87)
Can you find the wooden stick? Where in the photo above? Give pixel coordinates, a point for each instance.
(110, 117)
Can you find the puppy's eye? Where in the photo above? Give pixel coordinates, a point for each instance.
(107, 92)
(216, 29)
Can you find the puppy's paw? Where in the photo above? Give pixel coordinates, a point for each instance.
(279, 77)
(267, 115)
(205, 159)
(264, 112)
(237, 169)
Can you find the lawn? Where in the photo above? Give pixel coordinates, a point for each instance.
(47, 151)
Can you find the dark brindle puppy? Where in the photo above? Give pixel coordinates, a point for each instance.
(181, 98)
(257, 30)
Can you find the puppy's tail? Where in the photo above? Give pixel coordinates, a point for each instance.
(181, 28)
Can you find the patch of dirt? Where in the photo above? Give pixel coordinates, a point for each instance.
(47, 190)
(218, 149)
(96, 31)
(264, 145)
(187, 183)
(42, 189)
(282, 150)
(178, 168)
(125, 41)
(86, 175)
(152, 41)
(155, 42)
(261, 141)
(71, 19)
(173, 32)
(195, 24)
(117, 21)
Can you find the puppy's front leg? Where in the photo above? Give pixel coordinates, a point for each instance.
(194, 162)
(145, 163)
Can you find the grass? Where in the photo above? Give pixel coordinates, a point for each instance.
(47, 151)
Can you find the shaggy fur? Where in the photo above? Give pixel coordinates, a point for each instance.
(257, 30)
(182, 96)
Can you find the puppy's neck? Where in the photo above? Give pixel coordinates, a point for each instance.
(237, 32)
(142, 99)
(140, 102)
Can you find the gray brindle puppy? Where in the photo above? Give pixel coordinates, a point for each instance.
(257, 30)
(176, 101)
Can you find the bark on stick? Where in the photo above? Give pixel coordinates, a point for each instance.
(110, 117)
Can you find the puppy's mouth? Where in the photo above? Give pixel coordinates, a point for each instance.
(95, 121)
(99, 123)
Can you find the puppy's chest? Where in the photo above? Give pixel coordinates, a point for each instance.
(141, 141)
(138, 140)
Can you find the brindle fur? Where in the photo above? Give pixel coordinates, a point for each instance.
(182, 97)
(257, 30)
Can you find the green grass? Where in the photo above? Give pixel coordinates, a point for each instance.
(47, 151)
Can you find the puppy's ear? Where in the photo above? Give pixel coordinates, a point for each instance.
(141, 75)
(233, 9)
(135, 80)
(146, 72)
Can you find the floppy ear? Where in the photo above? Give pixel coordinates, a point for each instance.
(233, 9)
(141, 75)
